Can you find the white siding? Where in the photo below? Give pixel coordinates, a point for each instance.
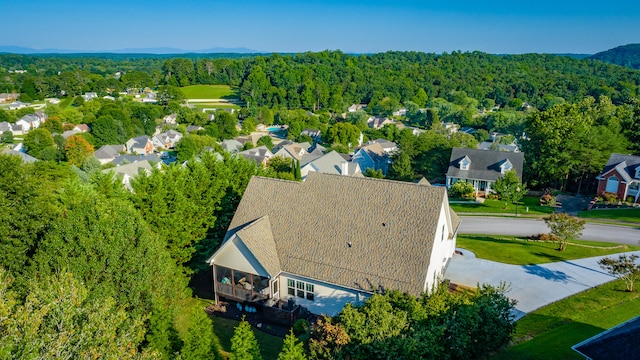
(235, 255)
(443, 249)
(328, 299)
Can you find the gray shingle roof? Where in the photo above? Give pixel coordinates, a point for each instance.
(258, 238)
(485, 164)
(625, 164)
(108, 151)
(620, 342)
(360, 233)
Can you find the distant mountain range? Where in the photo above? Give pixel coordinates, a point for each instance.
(157, 50)
(625, 55)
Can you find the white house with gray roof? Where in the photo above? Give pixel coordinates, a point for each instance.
(482, 167)
(329, 163)
(332, 240)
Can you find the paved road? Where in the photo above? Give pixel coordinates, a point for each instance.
(526, 227)
(533, 286)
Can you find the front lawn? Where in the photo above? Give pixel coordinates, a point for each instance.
(529, 205)
(549, 332)
(628, 215)
(209, 92)
(520, 251)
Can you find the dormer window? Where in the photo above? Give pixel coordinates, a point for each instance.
(637, 173)
(464, 163)
(506, 166)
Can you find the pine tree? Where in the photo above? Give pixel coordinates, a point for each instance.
(244, 345)
(200, 341)
(292, 349)
(162, 336)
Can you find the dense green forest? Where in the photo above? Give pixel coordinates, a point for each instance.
(625, 55)
(333, 80)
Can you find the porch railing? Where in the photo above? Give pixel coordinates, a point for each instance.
(239, 293)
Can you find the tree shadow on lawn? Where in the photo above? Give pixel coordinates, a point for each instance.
(551, 257)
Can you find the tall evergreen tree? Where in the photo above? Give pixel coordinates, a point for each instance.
(200, 341)
(292, 349)
(244, 345)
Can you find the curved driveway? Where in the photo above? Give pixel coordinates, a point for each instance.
(534, 286)
(525, 227)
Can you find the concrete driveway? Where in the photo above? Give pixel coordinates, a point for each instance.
(533, 286)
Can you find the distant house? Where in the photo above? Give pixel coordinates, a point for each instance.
(150, 98)
(8, 97)
(252, 138)
(18, 105)
(129, 171)
(400, 112)
(619, 342)
(314, 134)
(482, 167)
(620, 176)
(89, 96)
(388, 146)
(490, 145)
(171, 119)
(451, 127)
(141, 145)
(292, 151)
(26, 158)
(6, 126)
(31, 121)
(259, 155)
(167, 139)
(356, 107)
(378, 122)
(329, 163)
(231, 146)
(129, 159)
(109, 97)
(333, 240)
(194, 128)
(372, 156)
(107, 153)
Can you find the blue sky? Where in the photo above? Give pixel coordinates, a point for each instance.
(500, 26)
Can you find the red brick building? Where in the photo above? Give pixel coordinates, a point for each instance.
(621, 176)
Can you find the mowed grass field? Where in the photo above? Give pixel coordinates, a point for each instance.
(549, 332)
(209, 92)
(520, 251)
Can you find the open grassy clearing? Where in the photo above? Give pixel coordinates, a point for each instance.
(549, 333)
(520, 251)
(497, 207)
(627, 215)
(215, 106)
(209, 92)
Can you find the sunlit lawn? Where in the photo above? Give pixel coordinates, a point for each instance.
(209, 92)
(549, 332)
(519, 251)
(628, 215)
(529, 205)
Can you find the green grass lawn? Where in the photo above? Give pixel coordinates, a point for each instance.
(628, 215)
(519, 251)
(214, 105)
(497, 207)
(270, 345)
(209, 92)
(549, 332)
(64, 103)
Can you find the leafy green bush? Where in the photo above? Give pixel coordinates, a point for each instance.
(301, 326)
(610, 197)
(461, 189)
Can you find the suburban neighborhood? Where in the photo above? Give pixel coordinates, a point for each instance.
(210, 198)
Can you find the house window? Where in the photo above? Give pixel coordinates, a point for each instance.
(291, 287)
(300, 289)
(310, 295)
(464, 164)
(275, 287)
(612, 185)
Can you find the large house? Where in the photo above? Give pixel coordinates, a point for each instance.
(332, 240)
(329, 163)
(167, 139)
(482, 167)
(372, 156)
(621, 176)
(141, 145)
